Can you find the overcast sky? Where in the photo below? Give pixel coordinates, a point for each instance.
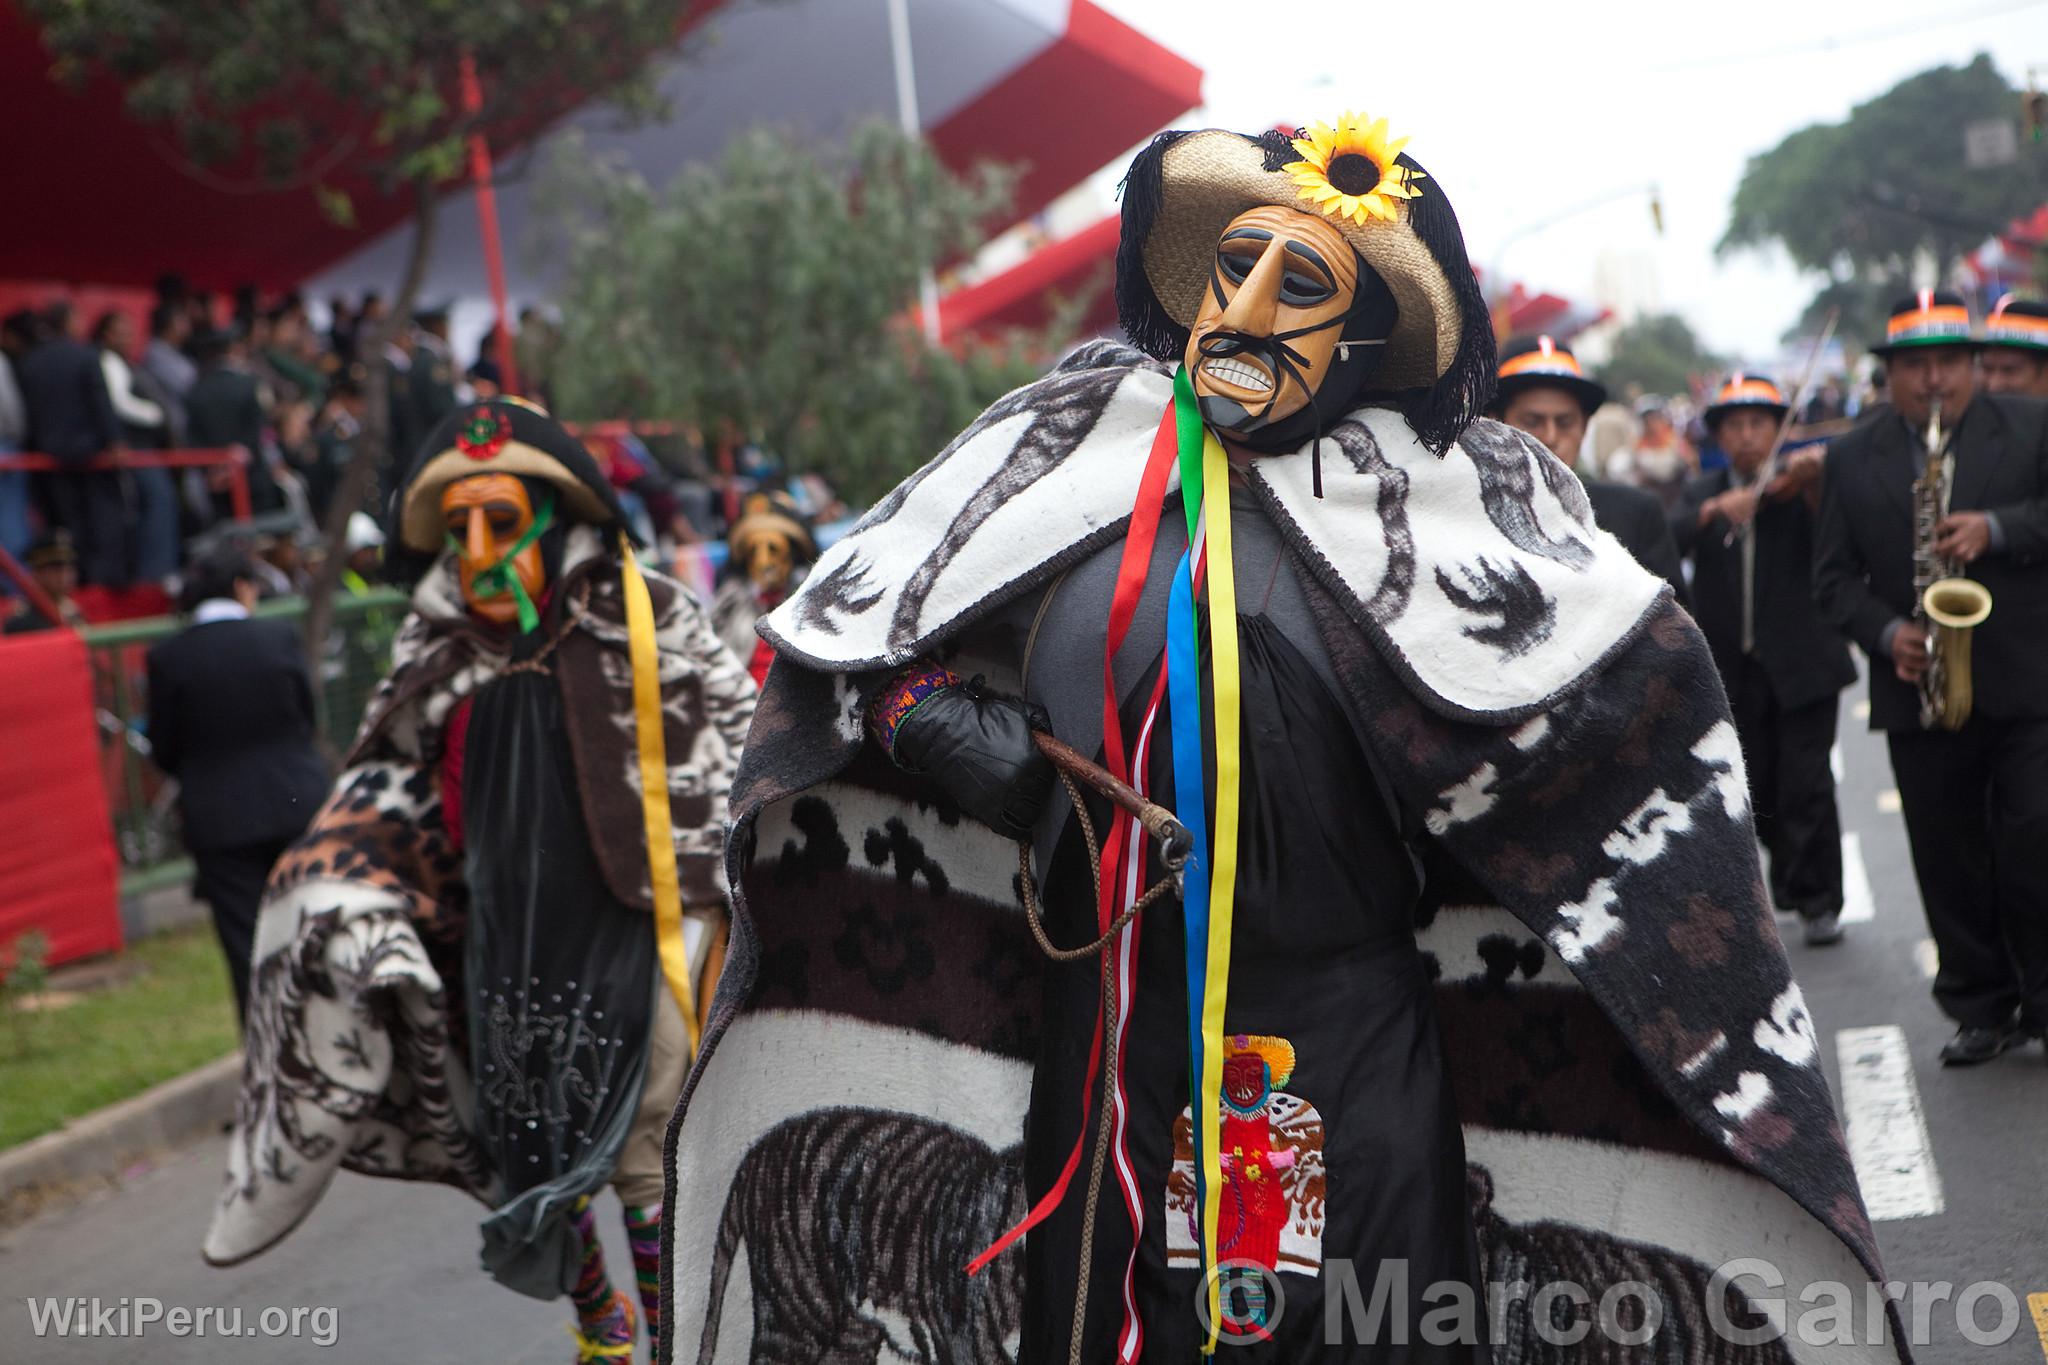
(1523, 111)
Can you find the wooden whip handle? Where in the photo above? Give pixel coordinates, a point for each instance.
(1175, 843)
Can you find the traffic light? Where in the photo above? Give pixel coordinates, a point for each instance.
(2034, 113)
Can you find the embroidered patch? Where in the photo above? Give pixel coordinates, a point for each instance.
(1274, 1194)
(483, 434)
(900, 696)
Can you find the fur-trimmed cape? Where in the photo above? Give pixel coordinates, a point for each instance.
(355, 1044)
(1637, 1073)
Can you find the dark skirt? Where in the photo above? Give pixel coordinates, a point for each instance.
(560, 980)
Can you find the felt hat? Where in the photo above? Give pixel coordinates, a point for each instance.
(1741, 390)
(1186, 187)
(1932, 317)
(500, 436)
(1536, 362)
(2017, 324)
(771, 514)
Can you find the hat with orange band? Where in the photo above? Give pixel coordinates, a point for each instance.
(2017, 324)
(1751, 391)
(1535, 362)
(1932, 317)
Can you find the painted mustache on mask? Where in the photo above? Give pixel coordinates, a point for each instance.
(1258, 362)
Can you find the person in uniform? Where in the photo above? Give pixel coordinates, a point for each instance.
(1975, 798)
(1748, 530)
(483, 962)
(2014, 351)
(1543, 391)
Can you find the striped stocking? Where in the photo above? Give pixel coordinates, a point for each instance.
(643, 1234)
(604, 1316)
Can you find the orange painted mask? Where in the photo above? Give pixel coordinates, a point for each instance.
(495, 532)
(1267, 336)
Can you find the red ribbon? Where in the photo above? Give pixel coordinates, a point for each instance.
(1132, 570)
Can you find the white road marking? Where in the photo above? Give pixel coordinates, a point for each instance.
(1888, 801)
(1858, 905)
(1835, 762)
(1887, 1131)
(1928, 957)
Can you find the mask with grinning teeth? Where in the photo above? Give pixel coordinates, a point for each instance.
(1290, 329)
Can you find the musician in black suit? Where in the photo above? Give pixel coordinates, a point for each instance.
(231, 717)
(1749, 531)
(2013, 347)
(1543, 391)
(1975, 799)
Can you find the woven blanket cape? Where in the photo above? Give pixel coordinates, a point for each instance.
(1637, 1074)
(355, 1054)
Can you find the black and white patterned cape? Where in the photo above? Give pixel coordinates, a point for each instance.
(1637, 1073)
(355, 1047)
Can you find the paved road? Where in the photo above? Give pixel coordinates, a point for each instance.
(1967, 1180)
(397, 1263)
(1972, 1202)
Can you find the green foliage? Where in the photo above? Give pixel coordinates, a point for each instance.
(1859, 201)
(172, 1011)
(281, 91)
(26, 976)
(1657, 354)
(771, 297)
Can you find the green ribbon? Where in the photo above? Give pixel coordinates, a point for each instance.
(499, 579)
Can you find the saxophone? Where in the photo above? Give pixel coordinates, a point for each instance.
(1948, 605)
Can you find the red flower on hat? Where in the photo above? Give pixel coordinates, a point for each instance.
(483, 434)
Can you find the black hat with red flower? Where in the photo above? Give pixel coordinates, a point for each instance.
(500, 436)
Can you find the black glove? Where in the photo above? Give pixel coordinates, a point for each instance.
(976, 745)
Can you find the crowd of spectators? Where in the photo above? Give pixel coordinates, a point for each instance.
(261, 375)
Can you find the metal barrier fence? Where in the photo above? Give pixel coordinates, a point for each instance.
(142, 801)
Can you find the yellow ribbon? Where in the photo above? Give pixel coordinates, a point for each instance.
(1228, 717)
(661, 839)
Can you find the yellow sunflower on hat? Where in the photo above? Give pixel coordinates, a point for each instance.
(1349, 171)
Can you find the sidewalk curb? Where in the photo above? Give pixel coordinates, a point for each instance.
(101, 1145)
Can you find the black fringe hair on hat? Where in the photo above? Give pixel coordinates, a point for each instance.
(1438, 413)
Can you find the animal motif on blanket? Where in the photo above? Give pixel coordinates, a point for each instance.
(1556, 1253)
(856, 1223)
(1626, 1013)
(1455, 564)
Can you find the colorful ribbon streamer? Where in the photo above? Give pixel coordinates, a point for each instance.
(654, 808)
(1211, 878)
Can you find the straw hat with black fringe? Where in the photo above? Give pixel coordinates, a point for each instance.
(1186, 187)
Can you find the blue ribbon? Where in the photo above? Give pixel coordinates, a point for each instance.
(1190, 800)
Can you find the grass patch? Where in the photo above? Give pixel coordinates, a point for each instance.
(174, 1014)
